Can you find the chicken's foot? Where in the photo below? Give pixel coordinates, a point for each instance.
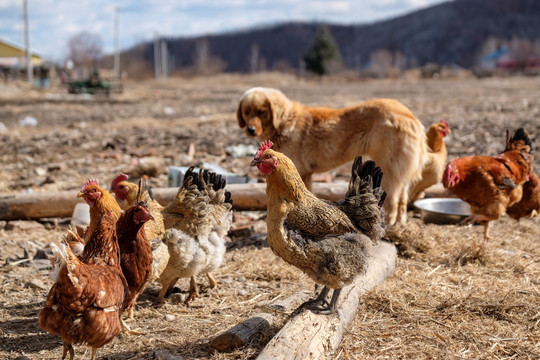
(320, 304)
(126, 329)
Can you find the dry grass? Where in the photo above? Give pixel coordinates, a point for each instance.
(454, 298)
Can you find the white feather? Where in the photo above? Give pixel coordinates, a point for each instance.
(59, 259)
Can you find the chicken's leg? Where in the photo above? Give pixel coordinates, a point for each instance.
(68, 347)
(130, 313)
(94, 350)
(486, 231)
(193, 290)
(481, 219)
(332, 308)
(211, 280)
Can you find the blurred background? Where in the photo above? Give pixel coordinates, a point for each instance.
(54, 41)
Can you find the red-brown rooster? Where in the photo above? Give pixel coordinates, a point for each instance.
(84, 304)
(491, 184)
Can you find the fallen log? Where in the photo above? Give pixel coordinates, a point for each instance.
(242, 333)
(60, 204)
(245, 197)
(311, 336)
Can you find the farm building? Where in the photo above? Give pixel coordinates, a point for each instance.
(12, 55)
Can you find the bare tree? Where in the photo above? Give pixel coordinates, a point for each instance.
(204, 62)
(254, 58)
(381, 62)
(85, 50)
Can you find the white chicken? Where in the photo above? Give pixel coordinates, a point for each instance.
(196, 223)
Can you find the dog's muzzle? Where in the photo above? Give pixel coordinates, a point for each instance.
(251, 130)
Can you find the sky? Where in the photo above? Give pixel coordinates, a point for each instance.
(53, 22)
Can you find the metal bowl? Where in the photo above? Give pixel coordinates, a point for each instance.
(442, 210)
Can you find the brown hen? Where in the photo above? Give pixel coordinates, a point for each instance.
(529, 205)
(126, 194)
(84, 304)
(436, 160)
(135, 252)
(100, 202)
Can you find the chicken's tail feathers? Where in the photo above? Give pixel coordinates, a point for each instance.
(365, 197)
(62, 255)
(213, 184)
(519, 141)
(366, 176)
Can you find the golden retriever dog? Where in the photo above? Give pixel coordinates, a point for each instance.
(318, 139)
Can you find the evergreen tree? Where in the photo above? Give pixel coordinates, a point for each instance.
(322, 53)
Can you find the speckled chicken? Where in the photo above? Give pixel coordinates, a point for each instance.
(328, 241)
(126, 194)
(83, 305)
(436, 160)
(197, 222)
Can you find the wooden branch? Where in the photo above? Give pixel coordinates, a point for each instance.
(38, 205)
(244, 332)
(311, 336)
(61, 204)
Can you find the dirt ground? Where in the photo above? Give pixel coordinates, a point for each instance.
(449, 298)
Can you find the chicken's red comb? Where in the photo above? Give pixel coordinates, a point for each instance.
(445, 123)
(90, 182)
(265, 145)
(119, 178)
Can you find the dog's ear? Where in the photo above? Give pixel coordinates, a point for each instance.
(239, 116)
(277, 104)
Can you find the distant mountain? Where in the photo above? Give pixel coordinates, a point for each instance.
(453, 33)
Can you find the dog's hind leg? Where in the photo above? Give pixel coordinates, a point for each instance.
(393, 189)
(402, 206)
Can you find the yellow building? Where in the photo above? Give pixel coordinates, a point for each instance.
(12, 55)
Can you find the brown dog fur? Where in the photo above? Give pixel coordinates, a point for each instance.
(318, 139)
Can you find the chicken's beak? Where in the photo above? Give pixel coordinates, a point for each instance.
(80, 194)
(255, 161)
